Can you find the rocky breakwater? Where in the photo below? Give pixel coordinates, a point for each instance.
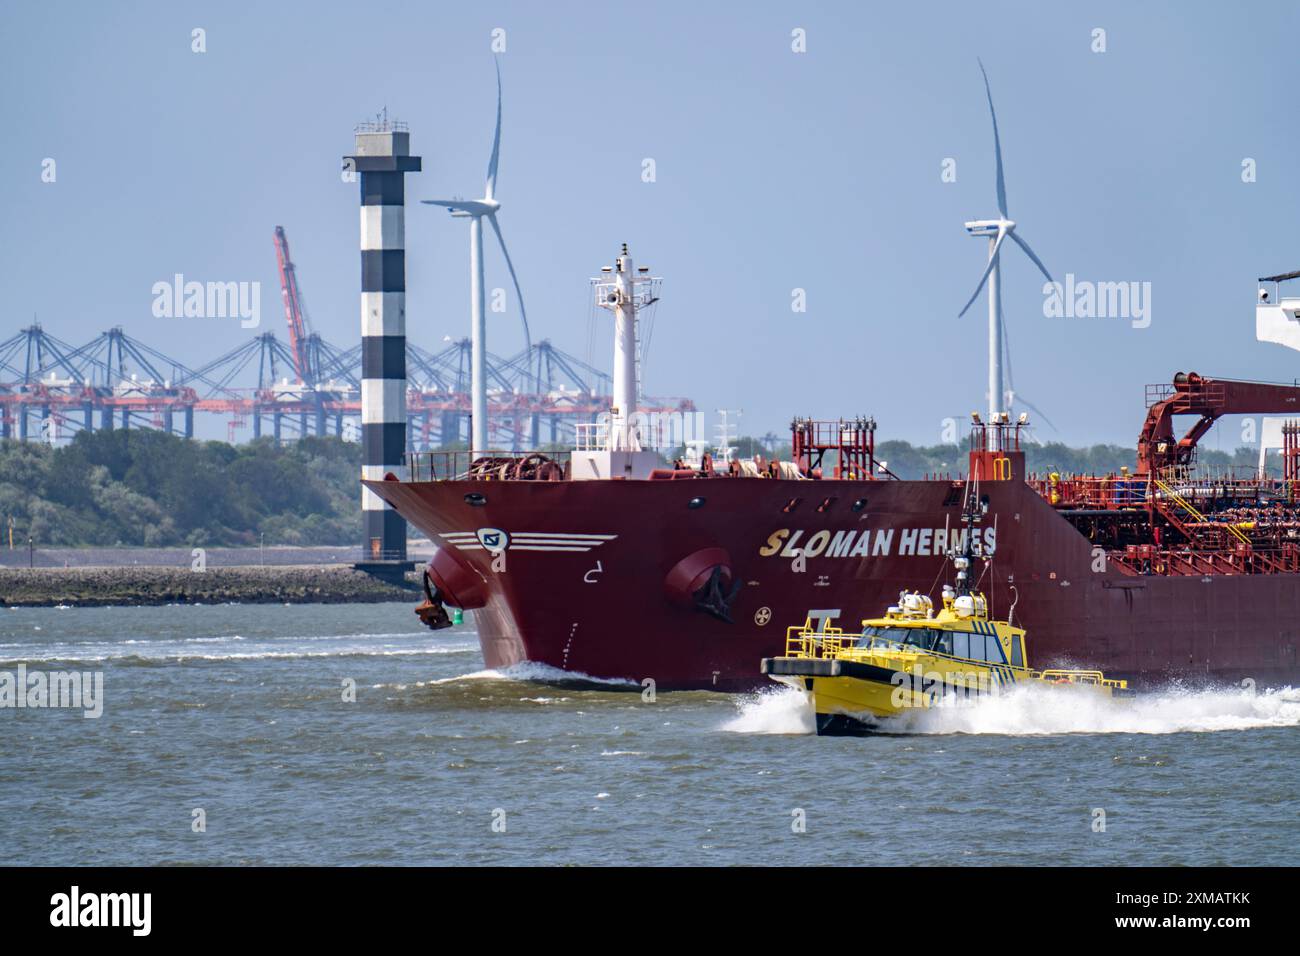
(134, 586)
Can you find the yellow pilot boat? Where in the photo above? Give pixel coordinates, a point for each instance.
(913, 657)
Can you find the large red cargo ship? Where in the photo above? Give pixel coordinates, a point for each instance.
(606, 564)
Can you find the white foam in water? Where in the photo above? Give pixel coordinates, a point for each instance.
(781, 710)
(1032, 710)
(1035, 711)
(526, 671)
(240, 648)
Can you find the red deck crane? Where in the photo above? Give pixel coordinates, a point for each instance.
(1210, 398)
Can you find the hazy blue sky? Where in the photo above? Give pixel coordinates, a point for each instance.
(775, 171)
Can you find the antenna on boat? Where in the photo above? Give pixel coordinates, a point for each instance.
(972, 513)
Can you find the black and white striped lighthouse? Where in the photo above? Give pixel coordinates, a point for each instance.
(383, 158)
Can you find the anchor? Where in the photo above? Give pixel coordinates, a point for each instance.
(432, 613)
(711, 598)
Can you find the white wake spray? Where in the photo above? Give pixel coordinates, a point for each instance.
(233, 647)
(532, 672)
(1039, 710)
(780, 710)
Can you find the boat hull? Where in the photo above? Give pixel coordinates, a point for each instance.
(595, 597)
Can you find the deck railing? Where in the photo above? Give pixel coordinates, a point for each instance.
(591, 436)
(487, 465)
(1147, 559)
(806, 641)
(1133, 491)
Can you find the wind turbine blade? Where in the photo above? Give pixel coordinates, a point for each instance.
(1030, 252)
(496, 144)
(993, 261)
(448, 203)
(997, 145)
(1038, 413)
(528, 339)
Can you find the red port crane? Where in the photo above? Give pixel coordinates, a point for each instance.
(294, 312)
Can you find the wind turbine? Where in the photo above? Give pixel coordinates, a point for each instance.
(996, 230)
(476, 210)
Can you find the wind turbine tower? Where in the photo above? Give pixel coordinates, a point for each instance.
(476, 210)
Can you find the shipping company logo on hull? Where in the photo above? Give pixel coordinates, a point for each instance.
(881, 542)
(495, 540)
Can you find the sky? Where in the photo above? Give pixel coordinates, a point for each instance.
(774, 171)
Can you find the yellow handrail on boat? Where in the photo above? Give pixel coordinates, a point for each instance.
(1058, 676)
(807, 641)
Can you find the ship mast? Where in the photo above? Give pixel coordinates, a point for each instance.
(625, 291)
(971, 516)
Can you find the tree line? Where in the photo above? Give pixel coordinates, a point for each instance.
(146, 488)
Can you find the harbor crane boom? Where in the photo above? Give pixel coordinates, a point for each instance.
(294, 312)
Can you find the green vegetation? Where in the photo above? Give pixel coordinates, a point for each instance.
(148, 488)
(907, 461)
(916, 461)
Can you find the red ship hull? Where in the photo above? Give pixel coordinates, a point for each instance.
(602, 607)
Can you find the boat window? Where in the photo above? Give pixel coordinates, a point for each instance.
(942, 642)
(877, 637)
(961, 645)
(893, 637)
(994, 651)
(1017, 657)
(919, 637)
